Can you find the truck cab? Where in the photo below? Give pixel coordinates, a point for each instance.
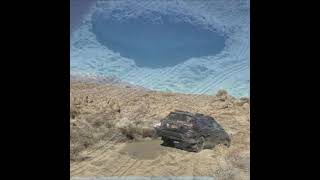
(191, 131)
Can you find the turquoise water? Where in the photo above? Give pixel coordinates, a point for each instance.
(196, 47)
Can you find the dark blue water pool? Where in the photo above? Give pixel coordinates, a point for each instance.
(166, 42)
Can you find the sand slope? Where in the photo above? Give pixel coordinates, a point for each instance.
(111, 133)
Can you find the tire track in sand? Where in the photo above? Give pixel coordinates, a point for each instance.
(82, 166)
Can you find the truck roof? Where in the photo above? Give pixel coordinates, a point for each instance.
(181, 112)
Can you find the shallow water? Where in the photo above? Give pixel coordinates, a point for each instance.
(147, 149)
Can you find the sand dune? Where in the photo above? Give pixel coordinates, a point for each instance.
(111, 133)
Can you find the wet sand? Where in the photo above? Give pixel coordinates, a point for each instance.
(146, 149)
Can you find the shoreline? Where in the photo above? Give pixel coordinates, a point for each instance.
(109, 80)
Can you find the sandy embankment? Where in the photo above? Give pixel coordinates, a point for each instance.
(111, 129)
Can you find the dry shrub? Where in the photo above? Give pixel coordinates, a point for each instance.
(80, 139)
(148, 132)
(137, 131)
(227, 173)
(131, 132)
(222, 92)
(104, 119)
(74, 111)
(242, 101)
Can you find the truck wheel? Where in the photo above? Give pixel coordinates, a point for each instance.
(167, 141)
(199, 145)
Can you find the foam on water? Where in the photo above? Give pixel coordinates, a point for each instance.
(215, 57)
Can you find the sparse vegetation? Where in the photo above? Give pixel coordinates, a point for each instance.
(107, 113)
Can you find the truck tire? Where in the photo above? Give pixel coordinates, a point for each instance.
(199, 145)
(167, 141)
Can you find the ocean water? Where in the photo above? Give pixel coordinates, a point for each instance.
(196, 47)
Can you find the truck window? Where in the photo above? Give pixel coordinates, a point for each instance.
(205, 123)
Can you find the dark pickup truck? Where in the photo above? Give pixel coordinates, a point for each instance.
(191, 132)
